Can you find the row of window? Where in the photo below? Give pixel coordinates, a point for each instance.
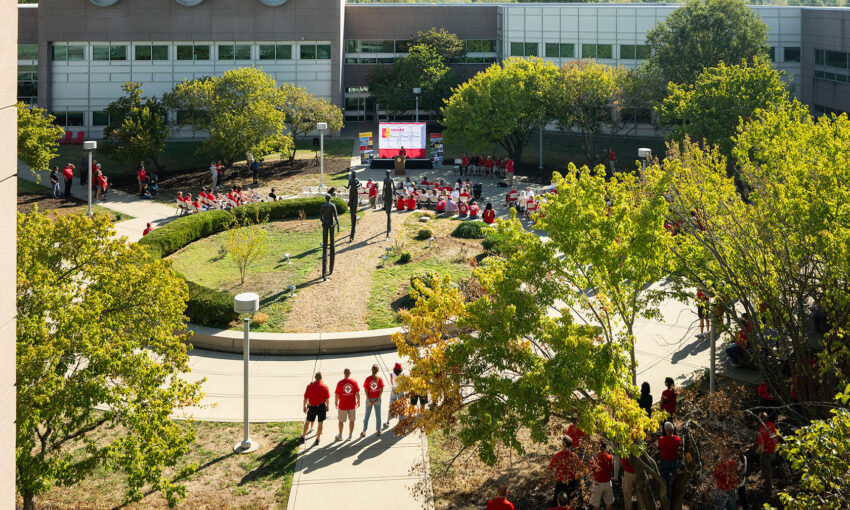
(28, 84)
(832, 66)
(390, 60)
(63, 52)
(819, 110)
(588, 50)
(402, 46)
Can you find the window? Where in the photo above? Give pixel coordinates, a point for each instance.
(402, 46)
(531, 49)
(552, 50)
(27, 52)
(836, 59)
(560, 50)
(28, 84)
(117, 52)
(820, 57)
(105, 52)
(153, 52)
(68, 118)
(517, 49)
(275, 52)
(377, 46)
(598, 51)
(99, 118)
(791, 54)
(323, 51)
(351, 46)
(634, 51)
(100, 52)
(68, 52)
(315, 51)
(350, 60)
(480, 45)
(193, 52)
(234, 52)
(771, 53)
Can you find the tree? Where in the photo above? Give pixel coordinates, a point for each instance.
(241, 110)
(38, 137)
(703, 33)
(96, 322)
(501, 105)
(422, 67)
(721, 98)
(588, 97)
(246, 245)
(446, 44)
(303, 110)
(137, 128)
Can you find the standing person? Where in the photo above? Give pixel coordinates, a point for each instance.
(702, 311)
(218, 169)
(611, 158)
(213, 175)
(353, 188)
(509, 171)
(725, 482)
(255, 170)
(329, 219)
(394, 393)
(403, 153)
(99, 184)
(54, 182)
(565, 467)
(629, 478)
(668, 397)
(374, 388)
(603, 467)
(669, 446)
(464, 164)
(141, 175)
(84, 165)
(68, 174)
(372, 189)
(347, 400)
(316, 399)
(645, 400)
(388, 193)
(501, 502)
(579, 439)
(741, 495)
(249, 159)
(767, 450)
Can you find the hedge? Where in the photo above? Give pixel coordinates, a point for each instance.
(210, 307)
(469, 230)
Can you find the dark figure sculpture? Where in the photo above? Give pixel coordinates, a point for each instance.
(353, 187)
(329, 219)
(388, 194)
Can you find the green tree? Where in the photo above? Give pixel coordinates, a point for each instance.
(703, 33)
(137, 127)
(588, 97)
(501, 105)
(446, 44)
(423, 67)
(721, 98)
(246, 245)
(96, 322)
(303, 110)
(38, 137)
(241, 110)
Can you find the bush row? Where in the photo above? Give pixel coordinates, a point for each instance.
(209, 307)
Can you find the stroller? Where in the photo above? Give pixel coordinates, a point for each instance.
(151, 186)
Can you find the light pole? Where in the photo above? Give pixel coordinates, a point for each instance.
(416, 92)
(644, 154)
(322, 127)
(89, 146)
(244, 304)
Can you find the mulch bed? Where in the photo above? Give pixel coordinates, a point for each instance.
(47, 203)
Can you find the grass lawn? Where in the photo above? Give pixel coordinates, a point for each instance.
(447, 255)
(223, 479)
(205, 263)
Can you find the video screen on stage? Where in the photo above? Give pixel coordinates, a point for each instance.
(395, 135)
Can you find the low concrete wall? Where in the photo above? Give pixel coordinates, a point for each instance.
(226, 340)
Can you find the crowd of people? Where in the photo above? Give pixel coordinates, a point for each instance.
(59, 189)
(488, 166)
(209, 198)
(526, 202)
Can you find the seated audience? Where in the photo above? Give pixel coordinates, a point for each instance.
(489, 215)
(473, 210)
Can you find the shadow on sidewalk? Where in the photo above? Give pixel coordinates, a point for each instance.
(274, 464)
(316, 458)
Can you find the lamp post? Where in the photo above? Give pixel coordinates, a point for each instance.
(416, 92)
(244, 304)
(89, 146)
(644, 154)
(322, 127)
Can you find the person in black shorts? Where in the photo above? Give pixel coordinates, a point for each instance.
(421, 399)
(702, 312)
(316, 400)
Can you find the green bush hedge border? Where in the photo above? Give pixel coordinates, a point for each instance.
(210, 307)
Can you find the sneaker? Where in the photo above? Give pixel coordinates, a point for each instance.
(386, 425)
(301, 440)
(338, 437)
(362, 434)
(379, 432)
(349, 437)
(316, 442)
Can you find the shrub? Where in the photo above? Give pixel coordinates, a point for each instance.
(424, 234)
(209, 307)
(287, 208)
(428, 277)
(404, 258)
(174, 235)
(260, 318)
(469, 230)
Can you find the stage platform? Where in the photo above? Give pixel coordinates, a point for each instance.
(413, 164)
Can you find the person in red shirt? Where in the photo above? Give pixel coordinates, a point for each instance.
(464, 164)
(399, 204)
(410, 202)
(374, 387)
(603, 467)
(767, 449)
(489, 215)
(668, 397)
(566, 468)
(316, 399)
(147, 230)
(668, 449)
(441, 205)
(68, 174)
(509, 170)
(347, 400)
(464, 194)
(373, 194)
(473, 210)
(579, 438)
(141, 176)
(501, 502)
(725, 483)
(511, 198)
(462, 209)
(629, 478)
(563, 502)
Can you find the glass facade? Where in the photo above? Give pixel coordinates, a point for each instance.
(151, 52)
(832, 66)
(275, 52)
(524, 49)
(597, 51)
(193, 52)
(634, 51)
(234, 52)
(68, 52)
(107, 52)
(791, 53)
(315, 51)
(63, 118)
(560, 50)
(28, 84)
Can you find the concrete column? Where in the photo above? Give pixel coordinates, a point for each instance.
(8, 191)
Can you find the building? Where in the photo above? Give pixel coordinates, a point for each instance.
(73, 55)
